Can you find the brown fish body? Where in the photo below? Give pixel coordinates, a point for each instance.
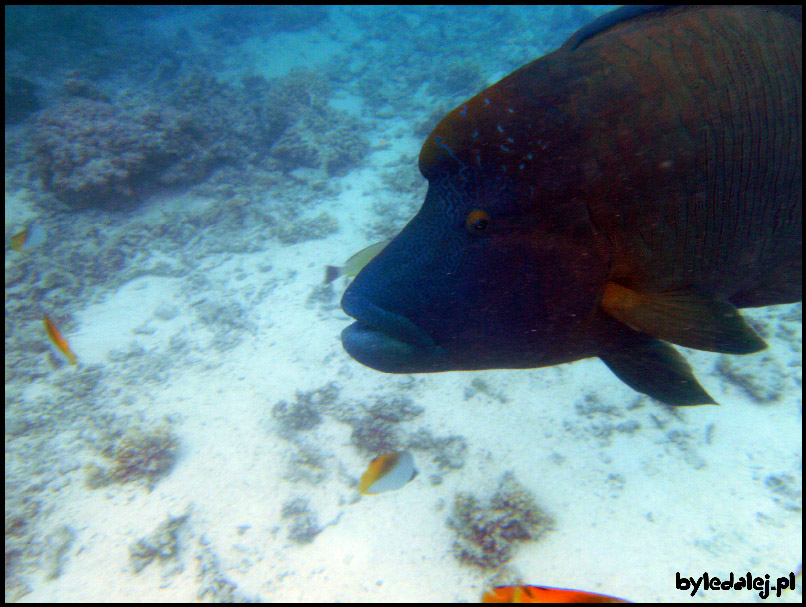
(686, 162)
(706, 152)
(622, 192)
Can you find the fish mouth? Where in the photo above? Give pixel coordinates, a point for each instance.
(386, 341)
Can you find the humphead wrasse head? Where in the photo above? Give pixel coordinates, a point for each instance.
(500, 268)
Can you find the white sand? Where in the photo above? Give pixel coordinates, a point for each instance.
(666, 510)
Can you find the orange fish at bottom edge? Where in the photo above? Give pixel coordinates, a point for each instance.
(543, 594)
(58, 340)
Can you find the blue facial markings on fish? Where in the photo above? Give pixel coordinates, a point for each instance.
(440, 142)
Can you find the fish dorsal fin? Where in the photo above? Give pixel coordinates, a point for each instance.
(684, 317)
(655, 368)
(636, 11)
(612, 18)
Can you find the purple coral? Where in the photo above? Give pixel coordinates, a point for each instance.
(94, 153)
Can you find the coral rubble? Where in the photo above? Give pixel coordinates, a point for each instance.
(487, 532)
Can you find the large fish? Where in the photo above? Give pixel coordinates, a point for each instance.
(630, 190)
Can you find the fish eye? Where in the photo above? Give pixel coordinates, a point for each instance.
(477, 221)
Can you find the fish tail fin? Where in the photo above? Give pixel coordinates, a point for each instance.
(332, 273)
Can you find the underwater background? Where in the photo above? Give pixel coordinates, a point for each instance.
(176, 182)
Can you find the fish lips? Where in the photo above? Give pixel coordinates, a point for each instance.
(386, 341)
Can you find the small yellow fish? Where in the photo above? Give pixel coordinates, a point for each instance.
(28, 239)
(59, 341)
(388, 472)
(355, 264)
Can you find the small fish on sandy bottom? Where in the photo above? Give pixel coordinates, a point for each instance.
(58, 341)
(388, 472)
(544, 594)
(28, 239)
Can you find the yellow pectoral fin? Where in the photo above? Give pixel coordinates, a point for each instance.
(685, 317)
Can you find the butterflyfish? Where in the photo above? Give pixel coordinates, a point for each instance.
(59, 341)
(28, 239)
(388, 472)
(356, 262)
(544, 594)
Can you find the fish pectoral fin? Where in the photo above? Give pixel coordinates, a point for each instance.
(655, 368)
(686, 318)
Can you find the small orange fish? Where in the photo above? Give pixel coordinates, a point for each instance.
(18, 240)
(543, 594)
(28, 239)
(58, 340)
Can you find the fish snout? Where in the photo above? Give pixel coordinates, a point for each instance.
(386, 341)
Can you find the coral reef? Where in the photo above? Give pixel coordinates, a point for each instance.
(232, 26)
(395, 409)
(324, 399)
(787, 491)
(294, 18)
(295, 417)
(486, 533)
(764, 382)
(230, 321)
(322, 294)
(375, 428)
(448, 452)
(325, 139)
(145, 455)
(21, 510)
(163, 545)
(376, 436)
(306, 464)
(21, 99)
(93, 153)
(459, 79)
(57, 545)
(599, 419)
(304, 525)
(214, 586)
(479, 386)
(301, 229)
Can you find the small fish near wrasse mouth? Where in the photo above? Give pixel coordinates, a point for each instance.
(356, 262)
(628, 191)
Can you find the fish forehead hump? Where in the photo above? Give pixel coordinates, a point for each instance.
(680, 131)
